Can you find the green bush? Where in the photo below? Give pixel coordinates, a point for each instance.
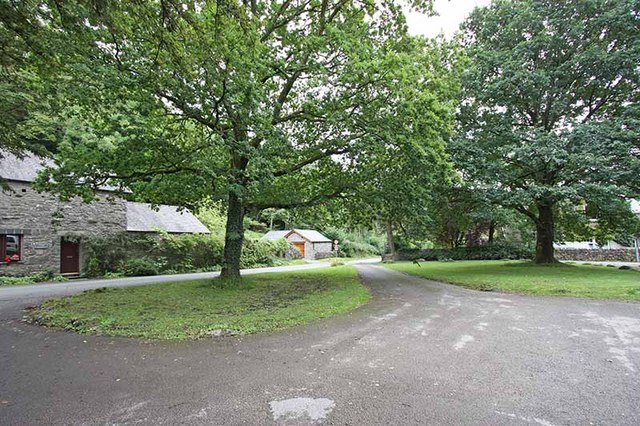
(262, 252)
(38, 277)
(132, 254)
(356, 243)
(141, 266)
(490, 252)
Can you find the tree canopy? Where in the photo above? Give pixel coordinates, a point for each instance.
(549, 111)
(260, 104)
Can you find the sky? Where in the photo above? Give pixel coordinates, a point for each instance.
(451, 14)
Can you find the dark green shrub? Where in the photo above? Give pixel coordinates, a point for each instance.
(263, 252)
(134, 254)
(356, 243)
(46, 276)
(490, 252)
(141, 266)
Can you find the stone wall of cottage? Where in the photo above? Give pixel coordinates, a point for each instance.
(43, 220)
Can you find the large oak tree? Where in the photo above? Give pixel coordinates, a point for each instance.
(549, 110)
(258, 103)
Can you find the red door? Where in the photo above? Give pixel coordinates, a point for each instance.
(69, 257)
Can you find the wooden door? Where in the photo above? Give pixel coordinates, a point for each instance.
(300, 247)
(69, 257)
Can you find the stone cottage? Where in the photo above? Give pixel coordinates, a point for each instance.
(311, 244)
(38, 232)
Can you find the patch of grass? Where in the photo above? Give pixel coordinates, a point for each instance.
(292, 262)
(195, 309)
(526, 277)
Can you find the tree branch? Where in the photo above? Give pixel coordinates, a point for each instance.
(310, 160)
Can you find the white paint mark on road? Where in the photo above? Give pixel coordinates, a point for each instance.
(462, 341)
(497, 299)
(202, 414)
(451, 302)
(535, 420)
(314, 409)
(482, 326)
(621, 355)
(626, 339)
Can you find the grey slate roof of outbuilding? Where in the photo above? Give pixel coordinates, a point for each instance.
(312, 235)
(308, 234)
(142, 218)
(21, 169)
(274, 235)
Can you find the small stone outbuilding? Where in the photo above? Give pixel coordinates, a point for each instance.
(39, 232)
(310, 243)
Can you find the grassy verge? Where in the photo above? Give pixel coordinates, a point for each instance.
(31, 279)
(194, 309)
(525, 277)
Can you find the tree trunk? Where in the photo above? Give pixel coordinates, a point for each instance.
(391, 244)
(233, 238)
(545, 234)
(492, 231)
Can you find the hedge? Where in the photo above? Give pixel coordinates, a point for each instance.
(490, 252)
(150, 254)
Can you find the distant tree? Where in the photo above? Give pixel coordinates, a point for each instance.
(398, 194)
(602, 222)
(259, 104)
(272, 215)
(549, 108)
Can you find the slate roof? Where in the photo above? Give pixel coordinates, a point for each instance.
(312, 235)
(142, 218)
(274, 235)
(21, 169)
(308, 234)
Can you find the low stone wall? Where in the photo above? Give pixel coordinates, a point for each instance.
(618, 255)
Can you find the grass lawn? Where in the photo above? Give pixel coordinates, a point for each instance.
(193, 309)
(525, 277)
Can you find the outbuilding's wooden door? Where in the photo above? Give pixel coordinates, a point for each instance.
(300, 247)
(69, 257)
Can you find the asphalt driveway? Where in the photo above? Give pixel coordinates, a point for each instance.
(419, 353)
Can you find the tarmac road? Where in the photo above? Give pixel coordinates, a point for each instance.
(420, 353)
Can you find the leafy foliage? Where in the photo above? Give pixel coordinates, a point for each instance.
(257, 104)
(489, 252)
(549, 112)
(39, 277)
(357, 242)
(134, 255)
